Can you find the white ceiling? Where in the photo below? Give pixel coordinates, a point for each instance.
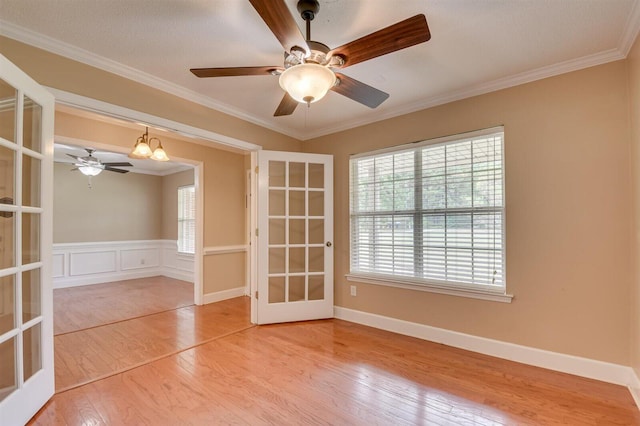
(476, 47)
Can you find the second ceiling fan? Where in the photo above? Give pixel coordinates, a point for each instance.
(309, 69)
(92, 166)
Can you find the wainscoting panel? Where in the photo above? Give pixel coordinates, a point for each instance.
(139, 258)
(77, 264)
(92, 262)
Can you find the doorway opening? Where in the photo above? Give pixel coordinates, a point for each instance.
(107, 229)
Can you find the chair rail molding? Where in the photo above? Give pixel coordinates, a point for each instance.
(96, 262)
(238, 248)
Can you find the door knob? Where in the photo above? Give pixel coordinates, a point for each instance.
(328, 243)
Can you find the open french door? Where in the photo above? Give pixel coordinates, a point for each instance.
(294, 237)
(26, 294)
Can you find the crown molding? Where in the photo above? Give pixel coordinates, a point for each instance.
(86, 57)
(481, 89)
(630, 34)
(631, 29)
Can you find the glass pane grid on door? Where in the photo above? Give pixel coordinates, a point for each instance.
(295, 193)
(20, 239)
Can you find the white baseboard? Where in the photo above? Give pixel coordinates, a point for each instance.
(634, 388)
(585, 367)
(224, 295)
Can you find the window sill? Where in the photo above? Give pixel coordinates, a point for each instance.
(431, 288)
(185, 256)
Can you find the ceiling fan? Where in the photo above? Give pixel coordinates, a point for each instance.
(91, 166)
(309, 69)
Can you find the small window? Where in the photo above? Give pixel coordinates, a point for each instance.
(431, 213)
(187, 219)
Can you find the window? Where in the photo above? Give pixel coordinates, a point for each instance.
(431, 214)
(187, 219)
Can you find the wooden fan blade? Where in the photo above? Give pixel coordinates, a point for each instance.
(398, 36)
(359, 91)
(119, 164)
(113, 169)
(276, 15)
(286, 107)
(233, 71)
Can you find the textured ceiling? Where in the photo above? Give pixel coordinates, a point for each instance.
(476, 47)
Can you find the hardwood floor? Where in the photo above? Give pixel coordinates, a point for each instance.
(78, 308)
(336, 372)
(102, 351)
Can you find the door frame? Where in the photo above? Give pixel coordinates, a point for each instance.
(253, 241)
(249, 213)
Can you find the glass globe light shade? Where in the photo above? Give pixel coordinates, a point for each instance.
(90, 170)
(159, 154)
(307, 83)
(141, 150)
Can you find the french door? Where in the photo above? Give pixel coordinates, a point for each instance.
(294, 237)
(26, 295)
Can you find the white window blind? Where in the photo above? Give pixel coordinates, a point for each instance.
(187, 219)
(432, 212)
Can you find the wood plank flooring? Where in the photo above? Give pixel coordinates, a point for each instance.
(98, 352)
(336, 372)
(78, 308)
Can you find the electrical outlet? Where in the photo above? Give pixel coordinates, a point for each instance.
(353, 290)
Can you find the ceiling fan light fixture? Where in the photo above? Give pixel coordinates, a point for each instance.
(89, 170)
(307, 83)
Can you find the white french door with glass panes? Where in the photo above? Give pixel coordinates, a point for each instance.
(26, 295)
(294, 237)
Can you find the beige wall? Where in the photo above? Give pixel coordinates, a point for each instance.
(633, 63)
(224, 271)
(567, 214)
(230, 268)
(117, 207)
(170, 185)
